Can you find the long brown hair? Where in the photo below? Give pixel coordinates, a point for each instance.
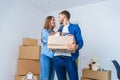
(47, 23)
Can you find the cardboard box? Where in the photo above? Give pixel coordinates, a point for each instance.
(29, 52)
(25, 66)
(59, 42)
(64, 51)
(17, 77)
(99, 75)
(30, 42)
(82, 78)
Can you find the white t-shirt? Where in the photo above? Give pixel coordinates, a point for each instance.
(65, 30)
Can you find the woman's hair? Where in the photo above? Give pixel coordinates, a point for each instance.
(47, 23)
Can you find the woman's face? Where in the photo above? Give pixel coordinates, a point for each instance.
(52, 22)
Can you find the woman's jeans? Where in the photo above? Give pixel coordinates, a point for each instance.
(47, 68)
(65, 64)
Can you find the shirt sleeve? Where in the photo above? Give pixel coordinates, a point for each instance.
(45, 35)
(78, 36)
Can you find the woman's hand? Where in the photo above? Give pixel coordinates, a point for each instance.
(56, 28)
(52, 33)
(53, 50)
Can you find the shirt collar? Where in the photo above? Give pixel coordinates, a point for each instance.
(68, 24)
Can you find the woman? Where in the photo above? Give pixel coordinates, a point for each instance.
(46, 58)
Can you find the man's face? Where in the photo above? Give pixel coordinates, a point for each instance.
(61, 18)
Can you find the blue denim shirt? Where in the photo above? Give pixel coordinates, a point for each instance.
(44, 35)
(74, 29)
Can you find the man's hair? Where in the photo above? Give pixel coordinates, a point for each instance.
(66, 13)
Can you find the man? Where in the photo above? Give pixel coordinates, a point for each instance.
(66, 62)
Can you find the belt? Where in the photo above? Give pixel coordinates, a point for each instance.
(63, 57)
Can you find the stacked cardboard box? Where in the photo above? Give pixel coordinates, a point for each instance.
(96, 75)
(28, 60)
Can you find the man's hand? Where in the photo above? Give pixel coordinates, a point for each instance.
(72, 46)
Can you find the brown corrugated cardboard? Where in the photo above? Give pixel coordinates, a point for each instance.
(29, 52)
(17, 77)
(59, 42)
(30, 42)
(25, 66)
(99, 75)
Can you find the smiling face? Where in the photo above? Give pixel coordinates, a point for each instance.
(49, 22)
(52, 23)
(61, 18)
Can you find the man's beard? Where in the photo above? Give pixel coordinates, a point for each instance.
(61, 22)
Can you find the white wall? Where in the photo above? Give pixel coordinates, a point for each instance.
(100, 27)
(18, 19)
(99, 24)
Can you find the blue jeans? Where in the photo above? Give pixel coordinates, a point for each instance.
(63, 64)
(47, 68)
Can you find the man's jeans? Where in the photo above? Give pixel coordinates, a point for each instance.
(63, 64)
(47, 68)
